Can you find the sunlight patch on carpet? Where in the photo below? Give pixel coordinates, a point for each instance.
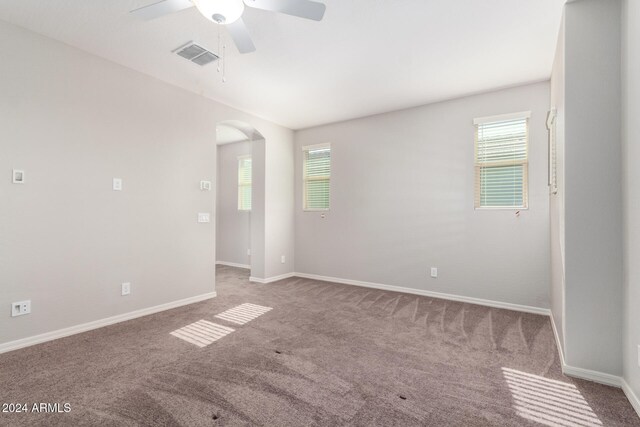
(202, 333)
(243, 313)
(548, 402)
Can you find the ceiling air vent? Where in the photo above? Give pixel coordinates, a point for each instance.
(196, 53)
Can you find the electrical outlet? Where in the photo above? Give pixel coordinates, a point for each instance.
(434, 272)
(283, 259)
(126, 288)
(21, 307)
(117, 184)
(204, 217)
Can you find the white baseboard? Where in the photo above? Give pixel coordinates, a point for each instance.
(61, 333)
(558, 343)
(595, 376)
(271, 279)
(451, 297)
(234, 264)
(585, 374)
(635, 402)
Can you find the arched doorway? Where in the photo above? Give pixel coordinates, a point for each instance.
(240, 196)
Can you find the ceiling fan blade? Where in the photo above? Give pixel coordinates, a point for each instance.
(240, 36)
(164, 7)
(301, 8)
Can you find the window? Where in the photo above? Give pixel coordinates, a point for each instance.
(244, 183)
(502, 160)
(316, 176)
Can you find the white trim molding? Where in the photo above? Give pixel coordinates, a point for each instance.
(271, 279)
(451, 297)
(595, 376)
(558, 343)
(234, 264)
(84, 327)
(635, 402)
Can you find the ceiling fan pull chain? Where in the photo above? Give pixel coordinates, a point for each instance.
(224, 63)
(218, 46)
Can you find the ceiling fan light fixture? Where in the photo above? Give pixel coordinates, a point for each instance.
(220, 11)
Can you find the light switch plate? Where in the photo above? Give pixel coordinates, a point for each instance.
(204, 217)
(18, 176)
(126, 288)
(434, 272)
(205, 185)
(117, 184)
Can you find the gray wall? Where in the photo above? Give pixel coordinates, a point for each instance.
(631, 179)
(402, 201)
(279, 204)
(593, 192)
(556, 201)
(258, 211)
(233, 227)
(74, 121)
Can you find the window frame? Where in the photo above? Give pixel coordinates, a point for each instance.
(307, 148)
(477, 122)
(242, 185)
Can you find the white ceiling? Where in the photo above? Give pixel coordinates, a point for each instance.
(365, 57)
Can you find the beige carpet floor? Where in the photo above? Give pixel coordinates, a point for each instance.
(324, 354)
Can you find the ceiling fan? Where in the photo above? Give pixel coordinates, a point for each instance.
(229, 13)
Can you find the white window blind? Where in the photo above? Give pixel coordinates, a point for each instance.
(316, 176)
(502, 160)
(244, 183)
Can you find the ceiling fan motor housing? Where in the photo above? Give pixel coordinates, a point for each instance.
(229, 13)
(221, 11)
